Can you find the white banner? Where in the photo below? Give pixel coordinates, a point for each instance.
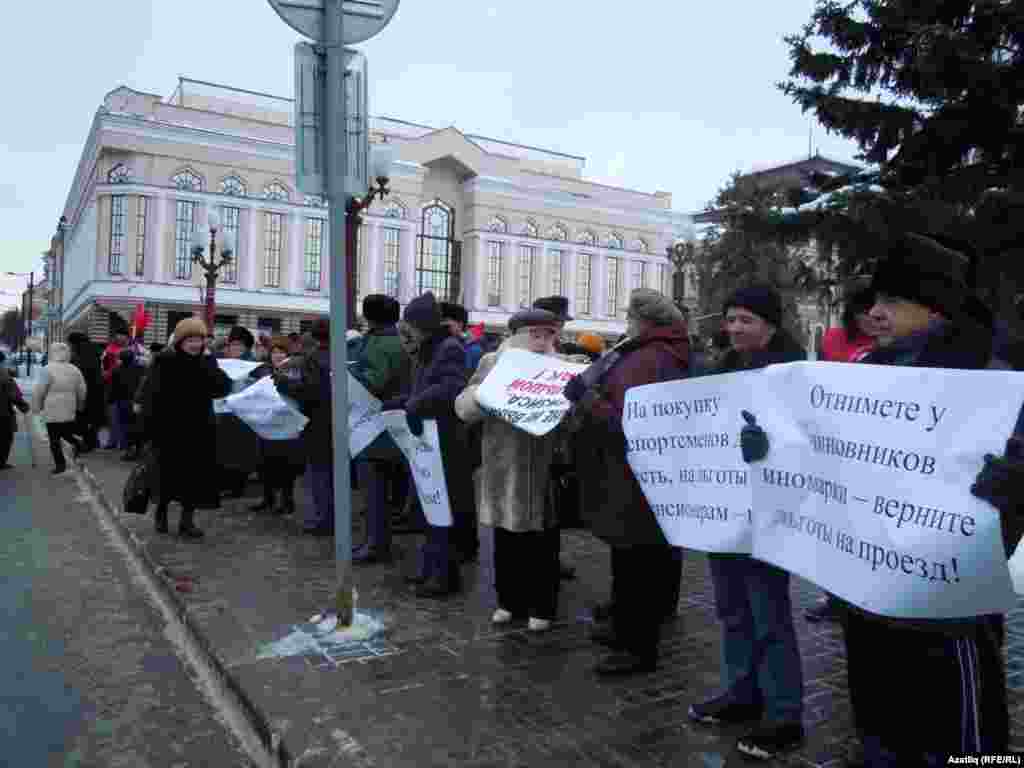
(426, 463)
(270, 415)
(525, 389)
(237, 370)
(363, 424)
(866, 488)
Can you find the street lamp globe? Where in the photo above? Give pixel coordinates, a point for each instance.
(198, 240)
(382, 156)
(213, 219)
(228, 245)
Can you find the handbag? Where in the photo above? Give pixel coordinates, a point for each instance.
(137, 490)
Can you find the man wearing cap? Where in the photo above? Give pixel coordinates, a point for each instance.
(613, 503)
(761, 670)
(456, 319)
(558, 306)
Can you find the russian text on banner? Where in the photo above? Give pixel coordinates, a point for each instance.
(866, 489)
(425, 462)
(526, 390)
(682, 439)
(363, 424)
(270, 415)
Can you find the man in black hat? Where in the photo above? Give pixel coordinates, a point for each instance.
(558, 306)
(240, 344)
(456, 319)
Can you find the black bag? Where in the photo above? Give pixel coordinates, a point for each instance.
(137, 491)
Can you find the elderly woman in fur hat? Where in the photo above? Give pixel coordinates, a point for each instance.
(513, 489)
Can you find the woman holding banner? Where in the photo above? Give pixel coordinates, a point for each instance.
(514, 489)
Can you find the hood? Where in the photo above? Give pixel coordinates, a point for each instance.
(673, 338)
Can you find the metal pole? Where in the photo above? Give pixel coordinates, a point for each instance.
(31, 285)
(335, 149)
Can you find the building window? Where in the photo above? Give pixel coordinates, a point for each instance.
(229, 217)
(663, 284)
(438, 258)
(232, 185)
(527, 262)
(394, 210)
(140, 235)
(557, 266)
(276, 191)
(392, 260)
(494, 273)
(117, 204)
(639, 273)
(272, 246)
(558, 232)
(314, 253)
(119, 174)
(613, 286)
(583, 277)
(184, 223)
(187, 180)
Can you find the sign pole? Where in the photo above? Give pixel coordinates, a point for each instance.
(335, 154)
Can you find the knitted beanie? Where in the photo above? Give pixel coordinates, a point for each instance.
(423, 313)
(763, 300)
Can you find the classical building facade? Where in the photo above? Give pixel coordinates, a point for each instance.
(487, 223)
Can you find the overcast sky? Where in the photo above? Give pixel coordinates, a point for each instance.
(662, 96)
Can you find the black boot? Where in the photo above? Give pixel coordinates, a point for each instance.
(287, 505)
(187, 528)
(160, 518)
(267, 503)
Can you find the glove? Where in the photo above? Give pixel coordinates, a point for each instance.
(753, 440)
(1001, 483)
(415, 424)
(575, 389)
(394, 404)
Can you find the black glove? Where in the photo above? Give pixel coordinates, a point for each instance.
(394, 404)
(415, 424)
(753, 439)
(1001, 483)
(575, 389)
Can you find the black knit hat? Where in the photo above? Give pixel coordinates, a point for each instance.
(557, 305)
(763, 300)
(321, 330)
(380, 309)
(456, 312)
(920, 269)
(238, 333)
(423, 313)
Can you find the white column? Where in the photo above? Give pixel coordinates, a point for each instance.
(374, 280)
(599, 285)
(569, 277)
(159, 268)
(510, 272)
(407, 265)
(249, 269)
(296, 253)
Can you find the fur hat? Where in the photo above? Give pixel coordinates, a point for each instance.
(244, 335)
(920, 269)
(532, 318)
(190, 326)
(77, 337)
(380, 309)
(456, 312)
(557, 305)
(654, 307)
(591, 342)
(423, 313)
(321, 330)
(763, 300)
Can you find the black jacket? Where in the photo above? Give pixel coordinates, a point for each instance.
(311, 389)
(125, 381)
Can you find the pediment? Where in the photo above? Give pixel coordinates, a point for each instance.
(447, 146)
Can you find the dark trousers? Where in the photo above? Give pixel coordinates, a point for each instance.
(56, 432)
(6, 440)
(374, 479)
(278, 476)
(965, 683)
(320, 514)
(670, 577)
(526, 572)
(641, 591)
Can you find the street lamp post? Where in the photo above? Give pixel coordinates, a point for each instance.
(210, 264)
(381, 157)
(26, 333)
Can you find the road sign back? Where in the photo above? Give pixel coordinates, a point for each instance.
(363, 18)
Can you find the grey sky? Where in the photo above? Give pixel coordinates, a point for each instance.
(668, 96)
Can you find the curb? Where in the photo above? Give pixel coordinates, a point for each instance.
(230, 698)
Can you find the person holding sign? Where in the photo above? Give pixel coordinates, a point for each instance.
(514, 486)
(760, 656)
(613, 504)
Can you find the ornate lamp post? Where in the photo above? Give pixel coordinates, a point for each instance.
(381, 157)
(209, 262)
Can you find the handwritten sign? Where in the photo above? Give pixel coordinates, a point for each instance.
(363, 424)
(425, 462)
(526, 390)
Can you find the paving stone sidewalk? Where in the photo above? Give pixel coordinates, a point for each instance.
(442, 687)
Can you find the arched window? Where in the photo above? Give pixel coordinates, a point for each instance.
(497, 224)
(187, 180)
(119, 174)
(394, 209)
(530, 228)
(275, 190)
(232, 185)
(586, 237)
(615, 241)
(558, 232)
(437, 257)
(316, 201)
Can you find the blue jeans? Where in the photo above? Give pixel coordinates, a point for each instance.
(373, 477)
(760, 656)
(321, 486)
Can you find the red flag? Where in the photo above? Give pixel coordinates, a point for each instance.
(476, 331)
(139, 321)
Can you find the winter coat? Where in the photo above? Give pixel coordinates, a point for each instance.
(111, 360)
(125, 381)
(612, 503)
(11, 399)
(290, 452)
(513, 482)
(177, 406)
(307, 381)
(60, 393)
(86, 358)
(782, 348)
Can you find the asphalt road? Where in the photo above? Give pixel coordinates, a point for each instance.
(87, 677)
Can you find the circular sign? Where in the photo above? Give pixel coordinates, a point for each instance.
(362, 18)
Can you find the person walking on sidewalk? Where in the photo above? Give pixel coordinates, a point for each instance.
(177, 405)
(439, 378)
(283, 460)
(612, 502)
(86, 358)
(11, 400)
(760, 656)
(124, 383)
(514, 489)
(60, 394)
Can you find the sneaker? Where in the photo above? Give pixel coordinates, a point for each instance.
(538, 625)
(501, 616)
(766, 741)
(825, 610)
(724, 710)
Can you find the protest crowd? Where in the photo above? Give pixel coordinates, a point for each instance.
(160, 406)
